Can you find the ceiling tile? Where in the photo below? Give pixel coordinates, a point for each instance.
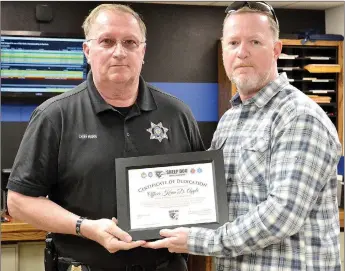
(314, 5)
(281, 4)
(276, 4)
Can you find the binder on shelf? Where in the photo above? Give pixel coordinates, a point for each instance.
(320, 99)
(289, 68)
(318, 57)
(286, 56)
(309, 78)
(322, 68)
(321, 91)
(322, 80)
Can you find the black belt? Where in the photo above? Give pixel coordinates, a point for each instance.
(64, 263)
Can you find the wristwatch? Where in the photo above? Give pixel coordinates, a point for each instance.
(77, 226)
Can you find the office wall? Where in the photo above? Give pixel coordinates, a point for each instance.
(334, 21)
(334, 18)
(181, 55)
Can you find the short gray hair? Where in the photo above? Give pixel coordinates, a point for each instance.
(90, 19)
(273, 25)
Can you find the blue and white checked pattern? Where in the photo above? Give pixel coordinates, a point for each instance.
(281, 153)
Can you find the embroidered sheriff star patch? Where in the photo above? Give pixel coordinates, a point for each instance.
(158, 132)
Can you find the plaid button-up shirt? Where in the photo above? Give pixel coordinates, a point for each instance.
(281, 153)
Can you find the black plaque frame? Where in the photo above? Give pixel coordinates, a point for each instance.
(122, 192)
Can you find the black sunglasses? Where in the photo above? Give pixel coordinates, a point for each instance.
(262, 6)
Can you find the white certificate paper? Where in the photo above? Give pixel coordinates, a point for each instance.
(171, 195)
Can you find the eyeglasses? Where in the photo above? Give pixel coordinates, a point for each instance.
(262, 6)
(129, 45)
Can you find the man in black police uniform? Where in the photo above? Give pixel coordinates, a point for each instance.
(72, 140)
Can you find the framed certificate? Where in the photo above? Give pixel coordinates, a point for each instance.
(169, 191)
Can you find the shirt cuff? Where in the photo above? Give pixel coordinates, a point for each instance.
(199, 241)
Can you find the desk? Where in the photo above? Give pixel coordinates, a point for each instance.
(16, 231)
(19, 231)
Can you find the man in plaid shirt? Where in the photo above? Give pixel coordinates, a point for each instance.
(281, 153)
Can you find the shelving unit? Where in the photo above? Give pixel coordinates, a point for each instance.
(315, 68)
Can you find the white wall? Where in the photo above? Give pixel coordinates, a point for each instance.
(335, 25)
(335, 20)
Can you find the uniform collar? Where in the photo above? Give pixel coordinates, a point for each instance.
(145, 100)
(265, 94)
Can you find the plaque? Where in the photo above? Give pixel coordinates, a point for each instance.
(170, 191)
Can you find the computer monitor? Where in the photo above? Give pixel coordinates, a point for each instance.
(37, 64)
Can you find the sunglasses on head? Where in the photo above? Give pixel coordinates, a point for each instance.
(262, 6)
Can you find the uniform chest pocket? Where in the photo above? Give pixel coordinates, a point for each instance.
(253, 160)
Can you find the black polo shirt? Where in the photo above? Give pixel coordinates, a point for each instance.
(69, 149)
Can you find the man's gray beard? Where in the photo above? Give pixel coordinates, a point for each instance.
(245, 86)
(249, 86)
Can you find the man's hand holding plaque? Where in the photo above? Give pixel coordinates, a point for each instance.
(175, 240)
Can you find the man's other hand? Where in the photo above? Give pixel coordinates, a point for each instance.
(108, 234)
(175, 240)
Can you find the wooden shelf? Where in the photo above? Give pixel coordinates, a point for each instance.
(323, 68)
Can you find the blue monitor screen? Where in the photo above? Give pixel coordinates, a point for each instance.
(41, 66)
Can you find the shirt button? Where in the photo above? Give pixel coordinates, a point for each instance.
(127, 134)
